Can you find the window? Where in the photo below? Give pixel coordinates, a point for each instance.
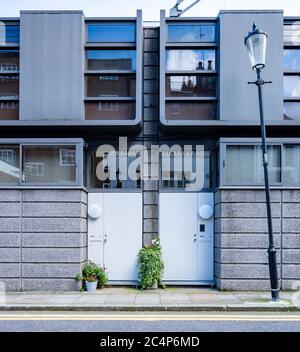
(244, 164)
(109, 110)
(180, 179)
(111, 32)
(291, 64)
(9, 110)
(34, 169)
(111, 86)
(9, 61)
(192, 60)
(111, 60)
(9, 164)
(8, 156)
(190, 110)
(191, 33)
(9, 33)
(291, 32)
(111, 74)
(190, 71)
(67, 157)
(114, 179)
(291, 110)
(291, 165)
(42, 164)
(241, 163)
(191, 86)
(291, 59)
(9, 86)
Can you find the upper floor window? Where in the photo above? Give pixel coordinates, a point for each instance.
(291, 32)
(111, 32)
(9, 33)
(291, 65)
(191, 59)
(9, 61)
(190, 33)
(111, 60)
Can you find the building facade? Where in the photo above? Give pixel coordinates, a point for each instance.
(69, 84)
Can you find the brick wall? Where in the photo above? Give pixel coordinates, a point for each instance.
(241, 238)
(150, 130)
(42, 239)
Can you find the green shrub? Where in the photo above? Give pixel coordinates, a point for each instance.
(151, 265)
(92, 272)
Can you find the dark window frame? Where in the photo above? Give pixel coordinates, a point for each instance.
(165, 45)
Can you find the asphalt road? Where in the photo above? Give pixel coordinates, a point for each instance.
(148, 322)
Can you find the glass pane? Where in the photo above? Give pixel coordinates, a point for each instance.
(191, 110)
(244, 164)
(117, 33)
(291, 86)
(291, 110)
(191, 33)
(9, 164)
(9, 60)
(111, 60)
(114, 181)
(110, 86)
(190, 60)
(179, 179)
(9, 33)
(191, 86)
(291, 59)
(291, 33)
(291, 167)
(49, 164)
(9, 86)
(9, 110)
(110, 110)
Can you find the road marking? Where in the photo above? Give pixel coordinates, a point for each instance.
(138, 317)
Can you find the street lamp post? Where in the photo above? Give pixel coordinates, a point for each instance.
(256, 42)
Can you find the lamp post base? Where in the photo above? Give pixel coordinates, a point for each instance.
(275, 295)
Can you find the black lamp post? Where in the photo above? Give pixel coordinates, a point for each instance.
(256, 42)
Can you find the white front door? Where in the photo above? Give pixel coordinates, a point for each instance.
(186, 237)
(115, 238)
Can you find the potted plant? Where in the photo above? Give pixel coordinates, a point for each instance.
(151, 265)
(93, 276)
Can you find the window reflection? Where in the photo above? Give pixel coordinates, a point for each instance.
(109, 110)
(44, 164)
(291, 59)
(191, 110)
(9, 86)
(9, 33)
(291, 110)
(9, 164)
(190, 60)
(291, 33)
(111, 33)
(114, 181)
(291, 86)
(9, 60)
(190, 86)
(191, 33)
(111, 60)
(110, 86)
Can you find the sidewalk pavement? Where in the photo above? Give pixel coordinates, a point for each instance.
(131, 299)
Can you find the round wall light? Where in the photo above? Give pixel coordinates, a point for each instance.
(205, 211)
(94, 211)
